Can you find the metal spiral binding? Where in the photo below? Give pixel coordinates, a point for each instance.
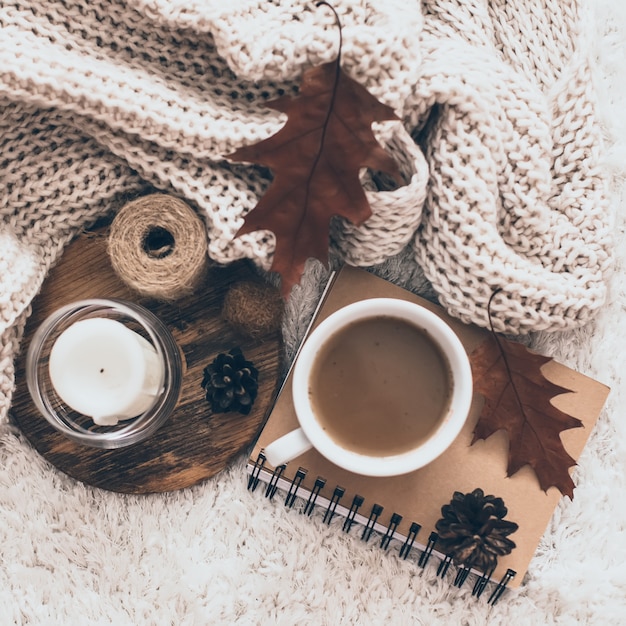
(253, 480)
(406, 548)
(310, 505)
(499, 590)
(373, 518)
(461, 576)
(443, 567)
(481, 583)
(272, 486)
(293, 488)
(332, 507)
(430, 546)
(357, 502)
(391, 529)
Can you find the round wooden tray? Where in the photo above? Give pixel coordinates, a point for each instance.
(194, 444)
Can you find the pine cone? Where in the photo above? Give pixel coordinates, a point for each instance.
(473, 530)
(230, 383)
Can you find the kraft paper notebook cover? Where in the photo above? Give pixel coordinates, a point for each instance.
(403, 510)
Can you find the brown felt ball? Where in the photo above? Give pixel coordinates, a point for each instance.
(254, 308)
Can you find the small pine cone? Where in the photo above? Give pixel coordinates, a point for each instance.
(230, 383)
(473, 531)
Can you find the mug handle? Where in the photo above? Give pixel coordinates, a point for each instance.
(287, 447)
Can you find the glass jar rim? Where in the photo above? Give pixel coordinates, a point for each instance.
(130, 431)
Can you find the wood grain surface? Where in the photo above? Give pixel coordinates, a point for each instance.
(194, 444)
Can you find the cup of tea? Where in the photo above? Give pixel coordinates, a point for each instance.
(381, 387)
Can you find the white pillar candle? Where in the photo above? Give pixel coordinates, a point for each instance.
(104, 370)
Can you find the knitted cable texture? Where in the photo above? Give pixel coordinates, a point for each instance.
(102, 100)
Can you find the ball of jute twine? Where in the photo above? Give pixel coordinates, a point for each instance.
(158, 247)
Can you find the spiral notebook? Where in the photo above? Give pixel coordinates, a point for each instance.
(400, 513)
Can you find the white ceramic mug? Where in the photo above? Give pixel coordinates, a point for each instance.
(311, 434)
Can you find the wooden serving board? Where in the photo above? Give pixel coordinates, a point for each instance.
(194, 444)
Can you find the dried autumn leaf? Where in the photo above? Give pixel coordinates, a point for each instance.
(316, 158)
(518, 399)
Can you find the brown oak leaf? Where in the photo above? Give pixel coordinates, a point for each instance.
(315, 159)
(518, 399)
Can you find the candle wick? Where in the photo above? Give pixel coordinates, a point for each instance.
(102, 370)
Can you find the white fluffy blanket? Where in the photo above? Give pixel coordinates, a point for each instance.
(215, 553)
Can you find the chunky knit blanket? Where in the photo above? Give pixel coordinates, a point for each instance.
(496, 140)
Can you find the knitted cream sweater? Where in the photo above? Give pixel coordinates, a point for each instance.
(102, 100)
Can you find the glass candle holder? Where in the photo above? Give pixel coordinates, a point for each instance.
(93, 337)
